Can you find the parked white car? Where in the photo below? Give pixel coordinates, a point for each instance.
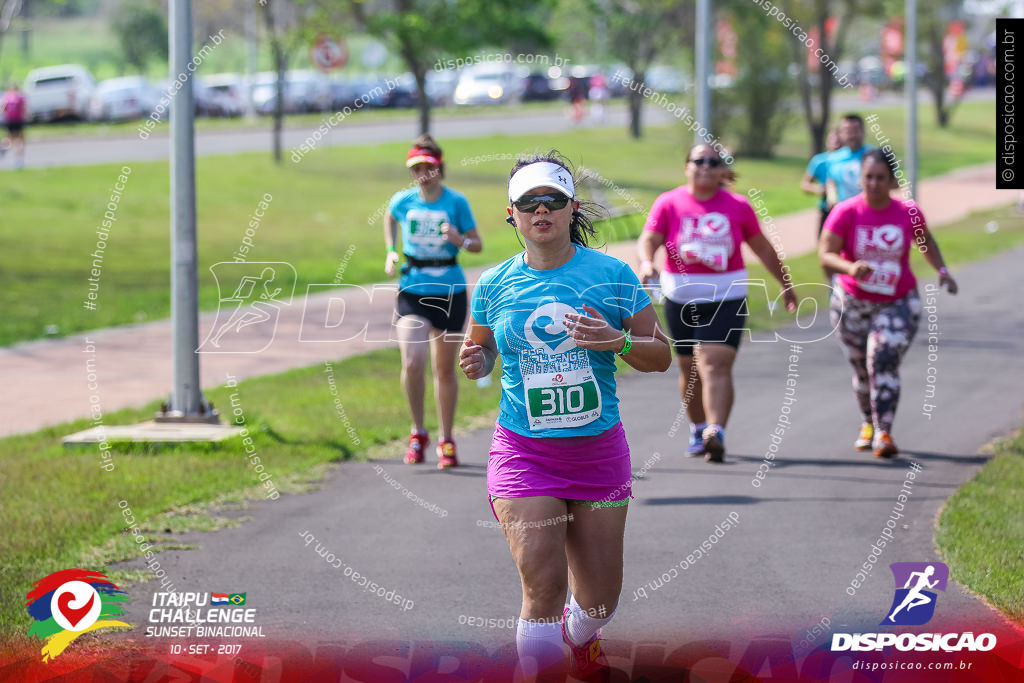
(229, 91)
(54, 92)
(304, 91)
(487, 84)
(123, 99)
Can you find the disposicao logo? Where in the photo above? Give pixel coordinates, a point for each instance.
(913, 579)
(913, 605)
(68, 603)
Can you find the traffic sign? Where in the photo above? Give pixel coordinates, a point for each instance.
(328, 54)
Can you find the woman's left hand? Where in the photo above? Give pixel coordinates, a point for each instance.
(592, 331)
(947, 280)
(789, 298)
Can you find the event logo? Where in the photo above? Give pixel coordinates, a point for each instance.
(914, 603)
(251, 296)
(68, 603)
(545, 331)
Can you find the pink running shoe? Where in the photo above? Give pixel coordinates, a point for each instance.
(446, 456)
(587, 659)
(416, 452)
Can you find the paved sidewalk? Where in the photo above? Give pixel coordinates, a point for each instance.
(132, 363)
(804, 531)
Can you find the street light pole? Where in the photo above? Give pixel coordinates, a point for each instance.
(186, 403)
(910, 93)
(702, 44)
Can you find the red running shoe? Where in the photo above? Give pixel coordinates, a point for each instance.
(446, 456)
(587, 659)
(884, 446)
(416, 453)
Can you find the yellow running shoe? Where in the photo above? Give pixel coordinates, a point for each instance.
(866, 436)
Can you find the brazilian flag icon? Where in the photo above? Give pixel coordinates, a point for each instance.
(237, 598)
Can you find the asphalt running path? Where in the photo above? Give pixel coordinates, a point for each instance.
(89, 150)
(132, 363)
(800, 539)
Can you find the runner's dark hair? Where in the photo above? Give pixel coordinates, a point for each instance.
(887, 158)
(854, 117)
(581, 228)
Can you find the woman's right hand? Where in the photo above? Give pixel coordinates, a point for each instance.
(648, 273)
(472, 360)
(390, 261)
(860, 270)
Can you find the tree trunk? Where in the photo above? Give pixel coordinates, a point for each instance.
(279, 66)
(636, 103)
(804, 88)
(937, 83)
(26, 35)
(819, 126)
(423, 102)
(414, 61)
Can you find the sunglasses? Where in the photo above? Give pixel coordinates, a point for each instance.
(528, 203)
(710, 161)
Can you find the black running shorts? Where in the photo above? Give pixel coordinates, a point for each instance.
(709, 322)
(445, 312)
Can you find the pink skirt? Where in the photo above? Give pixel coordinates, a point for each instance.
(591, 468)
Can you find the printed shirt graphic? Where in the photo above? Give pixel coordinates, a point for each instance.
(702, 237)
(843, 168)
(421, 238)
(551, 387)
(883, 239)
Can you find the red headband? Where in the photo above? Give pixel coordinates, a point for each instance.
(418, 155)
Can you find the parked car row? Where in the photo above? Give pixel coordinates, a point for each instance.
(70, 91)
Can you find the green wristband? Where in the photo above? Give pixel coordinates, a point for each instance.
(629, 343)
(392, 248)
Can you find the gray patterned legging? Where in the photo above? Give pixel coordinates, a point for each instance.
(875, 335)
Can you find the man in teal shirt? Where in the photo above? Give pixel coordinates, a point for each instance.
(844, 163)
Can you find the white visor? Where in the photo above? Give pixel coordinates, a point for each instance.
(540, 174)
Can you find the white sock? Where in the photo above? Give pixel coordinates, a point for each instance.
(581, 626)
(539, 644)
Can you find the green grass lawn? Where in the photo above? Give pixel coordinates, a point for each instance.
(325, 204)
(61, 509)
(981, 530)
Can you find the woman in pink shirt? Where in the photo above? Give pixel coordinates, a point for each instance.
(867, 240)
(702, 226)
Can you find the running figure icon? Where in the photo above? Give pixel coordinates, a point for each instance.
(251, 296)
(915, 597)
(244, 292)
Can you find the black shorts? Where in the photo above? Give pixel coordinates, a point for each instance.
(824, 214)
(445, 312)
(15, 127)
(710, 322)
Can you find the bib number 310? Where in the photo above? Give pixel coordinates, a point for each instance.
(562, 400)
(552, 405)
